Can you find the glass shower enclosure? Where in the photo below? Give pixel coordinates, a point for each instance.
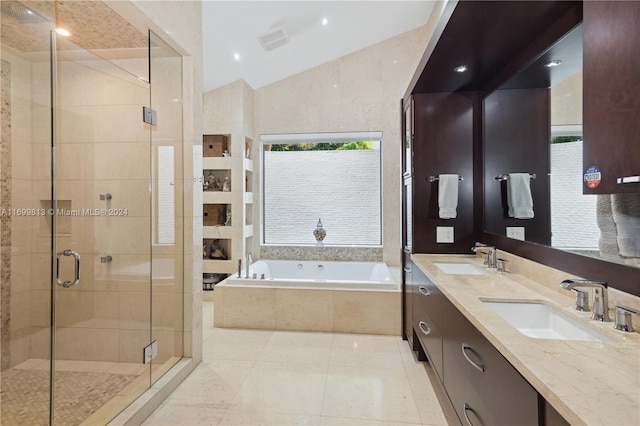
(91, 239)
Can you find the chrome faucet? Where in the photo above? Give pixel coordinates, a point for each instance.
(489, 254)
(248, 263)
(600, 297)
(623, 318)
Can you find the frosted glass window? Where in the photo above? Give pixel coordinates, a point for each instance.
(332, 177)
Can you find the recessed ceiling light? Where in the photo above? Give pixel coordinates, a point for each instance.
(324, 21)
(63, 32)
(553, 63)
(236, 56)
(461, 68)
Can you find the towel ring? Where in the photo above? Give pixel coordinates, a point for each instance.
(502, 178)
(435, 178)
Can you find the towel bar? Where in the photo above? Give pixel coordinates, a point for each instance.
(435, 178)
(506, 177)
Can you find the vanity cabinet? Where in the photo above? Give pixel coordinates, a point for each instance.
(483, 386)
(407, 298)
(427, 317)
(611, 86)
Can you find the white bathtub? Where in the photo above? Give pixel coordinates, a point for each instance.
(317, 274)
(342, 297)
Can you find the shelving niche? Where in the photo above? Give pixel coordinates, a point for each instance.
(227, 207)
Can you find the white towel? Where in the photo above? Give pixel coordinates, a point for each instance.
(448, 196)
(519, 196)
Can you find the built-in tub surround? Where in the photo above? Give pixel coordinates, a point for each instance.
(366, 304)
(586, 382)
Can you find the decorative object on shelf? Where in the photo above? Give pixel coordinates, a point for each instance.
(226, 153)
(205, 252)
(211, 181)
(319, 233)
(227, 221)
(208, 281)
(226, 186)
(216, 251)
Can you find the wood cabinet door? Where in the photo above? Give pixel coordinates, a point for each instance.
(611, 84)
(476, 374)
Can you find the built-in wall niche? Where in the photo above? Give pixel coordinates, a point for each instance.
(216, 215)
(248, 145)
(62, 210)
(248, 178)
(209, 280)
(248, 214)
(216, 249)
(216, 146)
(248, 244)
(217, 180)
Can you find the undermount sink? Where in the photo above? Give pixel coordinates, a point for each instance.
(542, 321)
(459, 269)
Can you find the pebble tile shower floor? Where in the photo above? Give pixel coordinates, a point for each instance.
(25, 395)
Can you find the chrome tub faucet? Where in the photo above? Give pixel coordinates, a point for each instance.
(248, 263)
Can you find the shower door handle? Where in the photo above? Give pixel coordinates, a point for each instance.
(67, 284)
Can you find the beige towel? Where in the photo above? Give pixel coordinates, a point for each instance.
(519, 197)
(626, 214)
(448, 196)
(608, 242)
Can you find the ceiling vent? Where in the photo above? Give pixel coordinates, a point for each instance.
(276, 37)
(20, 12)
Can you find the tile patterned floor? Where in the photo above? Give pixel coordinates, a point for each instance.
(251, 377)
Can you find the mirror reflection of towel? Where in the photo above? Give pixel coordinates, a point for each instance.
(626, 214)
(608, 241)
(519, 196)
(448, 196)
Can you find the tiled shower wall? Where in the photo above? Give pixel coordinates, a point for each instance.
(5, 221)
(17, 122)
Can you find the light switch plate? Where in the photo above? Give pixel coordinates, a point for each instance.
(515, 232)
(444, 234)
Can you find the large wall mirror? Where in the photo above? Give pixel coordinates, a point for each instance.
(533, 134)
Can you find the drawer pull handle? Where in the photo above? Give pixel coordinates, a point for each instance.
(407, 269)
(422, 289)
(422, 325)
(628, 179)
(466, 408)
(466, 347)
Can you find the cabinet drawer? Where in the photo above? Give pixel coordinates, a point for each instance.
(473, 369)
(429, 337)
(427, 295)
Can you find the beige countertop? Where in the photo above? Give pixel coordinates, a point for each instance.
(594, 383)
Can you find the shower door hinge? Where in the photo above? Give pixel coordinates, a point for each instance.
(150, 352)
(149, 116)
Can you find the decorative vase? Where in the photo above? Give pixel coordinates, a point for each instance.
(319, 233)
